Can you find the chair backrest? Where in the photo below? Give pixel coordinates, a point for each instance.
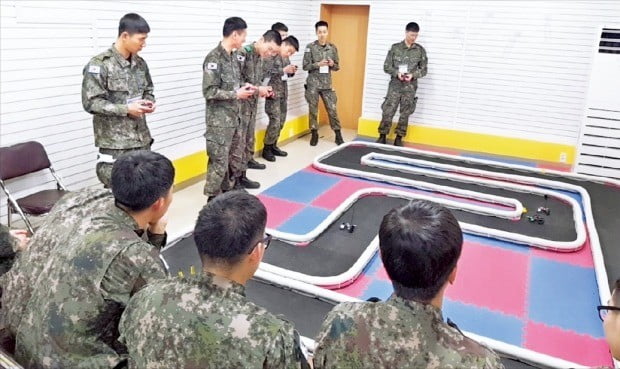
(21, 159)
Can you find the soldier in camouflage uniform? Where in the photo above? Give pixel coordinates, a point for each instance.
(11, 241)
(223, 90)
(117, 89)
(100, 258)
(320, 59)
(278, 69)
(206, 319)
(408, 330)
(405, 63)
(252, 56)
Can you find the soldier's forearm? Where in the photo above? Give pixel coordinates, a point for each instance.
(214, 93)
(104, 107)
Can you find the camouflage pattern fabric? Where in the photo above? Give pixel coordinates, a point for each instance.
(109, 82)
(226, 150)
(396, 334)
(8, 244)
(276, 107)
(205, 321)
(71, 319)
(399, 92)
(251, 72)
(104, 170)
(320, 84)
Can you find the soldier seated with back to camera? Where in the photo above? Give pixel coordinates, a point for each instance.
(205, 320)
(420, 246)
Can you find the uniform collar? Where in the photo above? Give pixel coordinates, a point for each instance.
(327, 44)
(120, 216)
(210, 280)
(416, 307)
(404, 45)
(223, 51)
(121, 60)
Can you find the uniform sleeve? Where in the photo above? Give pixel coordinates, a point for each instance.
(308, 65)
(286, 352)
(94, 92)
(148, 90)
(388, 64)
(336, 60)
(211, 82)
(422, 68)
(133, 268)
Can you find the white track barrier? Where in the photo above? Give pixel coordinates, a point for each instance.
(526, 355)
(356, 269)
(597, 255)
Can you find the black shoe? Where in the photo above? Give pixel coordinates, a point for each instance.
(381, 139)
(398, 141)
(315, 138)
(253, 164)
(339, 140)
(245, 182)
(268, 153)
(277, 151)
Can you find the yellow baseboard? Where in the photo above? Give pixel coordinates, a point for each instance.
(195, 165)
(478, 142)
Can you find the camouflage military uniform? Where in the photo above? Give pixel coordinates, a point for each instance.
(225, 143)
(396, 334)
(276, 106)
(399, 92)
(320, 84)
(97, 263)
(110, 83)
(206, 322)
(251, 72)
(8, 244)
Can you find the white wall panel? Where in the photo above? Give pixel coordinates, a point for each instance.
(45, 45)
(511, 68)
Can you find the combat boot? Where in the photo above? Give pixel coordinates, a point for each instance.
(398, 141)
(245, 182)
(339, 140)
(253, 164)
(268, 153)
(381, 139)
(277, 151)
(315, 138)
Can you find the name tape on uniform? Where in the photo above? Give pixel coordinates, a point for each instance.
(94, 69)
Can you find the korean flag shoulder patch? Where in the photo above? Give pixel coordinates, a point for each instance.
(307, 49)
(240, 57)
(211, 66)
(94, 69)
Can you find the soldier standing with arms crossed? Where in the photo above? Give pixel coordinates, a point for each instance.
(222, 89)
(405, 63)
(320, 59)
(279, 69)
(117, 89)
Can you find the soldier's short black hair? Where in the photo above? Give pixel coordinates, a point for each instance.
(233, 24)
(272, 36)
(292, 40)
(229, 226)
(140, 178)
(279, 27)
(420, 244)
(320, 23)
(412, 27)
(132, 23)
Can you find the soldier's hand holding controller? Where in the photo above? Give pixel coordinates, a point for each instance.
(330, 62)
(290, 69)
(265, 91)
(159, 227)
(323, 63)
(148, 106)
(136, 109)
(245, 92)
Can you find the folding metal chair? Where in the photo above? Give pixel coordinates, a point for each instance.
(19, 160)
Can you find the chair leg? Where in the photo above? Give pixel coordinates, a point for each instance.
(10, 212)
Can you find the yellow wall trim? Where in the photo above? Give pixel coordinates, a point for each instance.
(194, 165)
(478, 142)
